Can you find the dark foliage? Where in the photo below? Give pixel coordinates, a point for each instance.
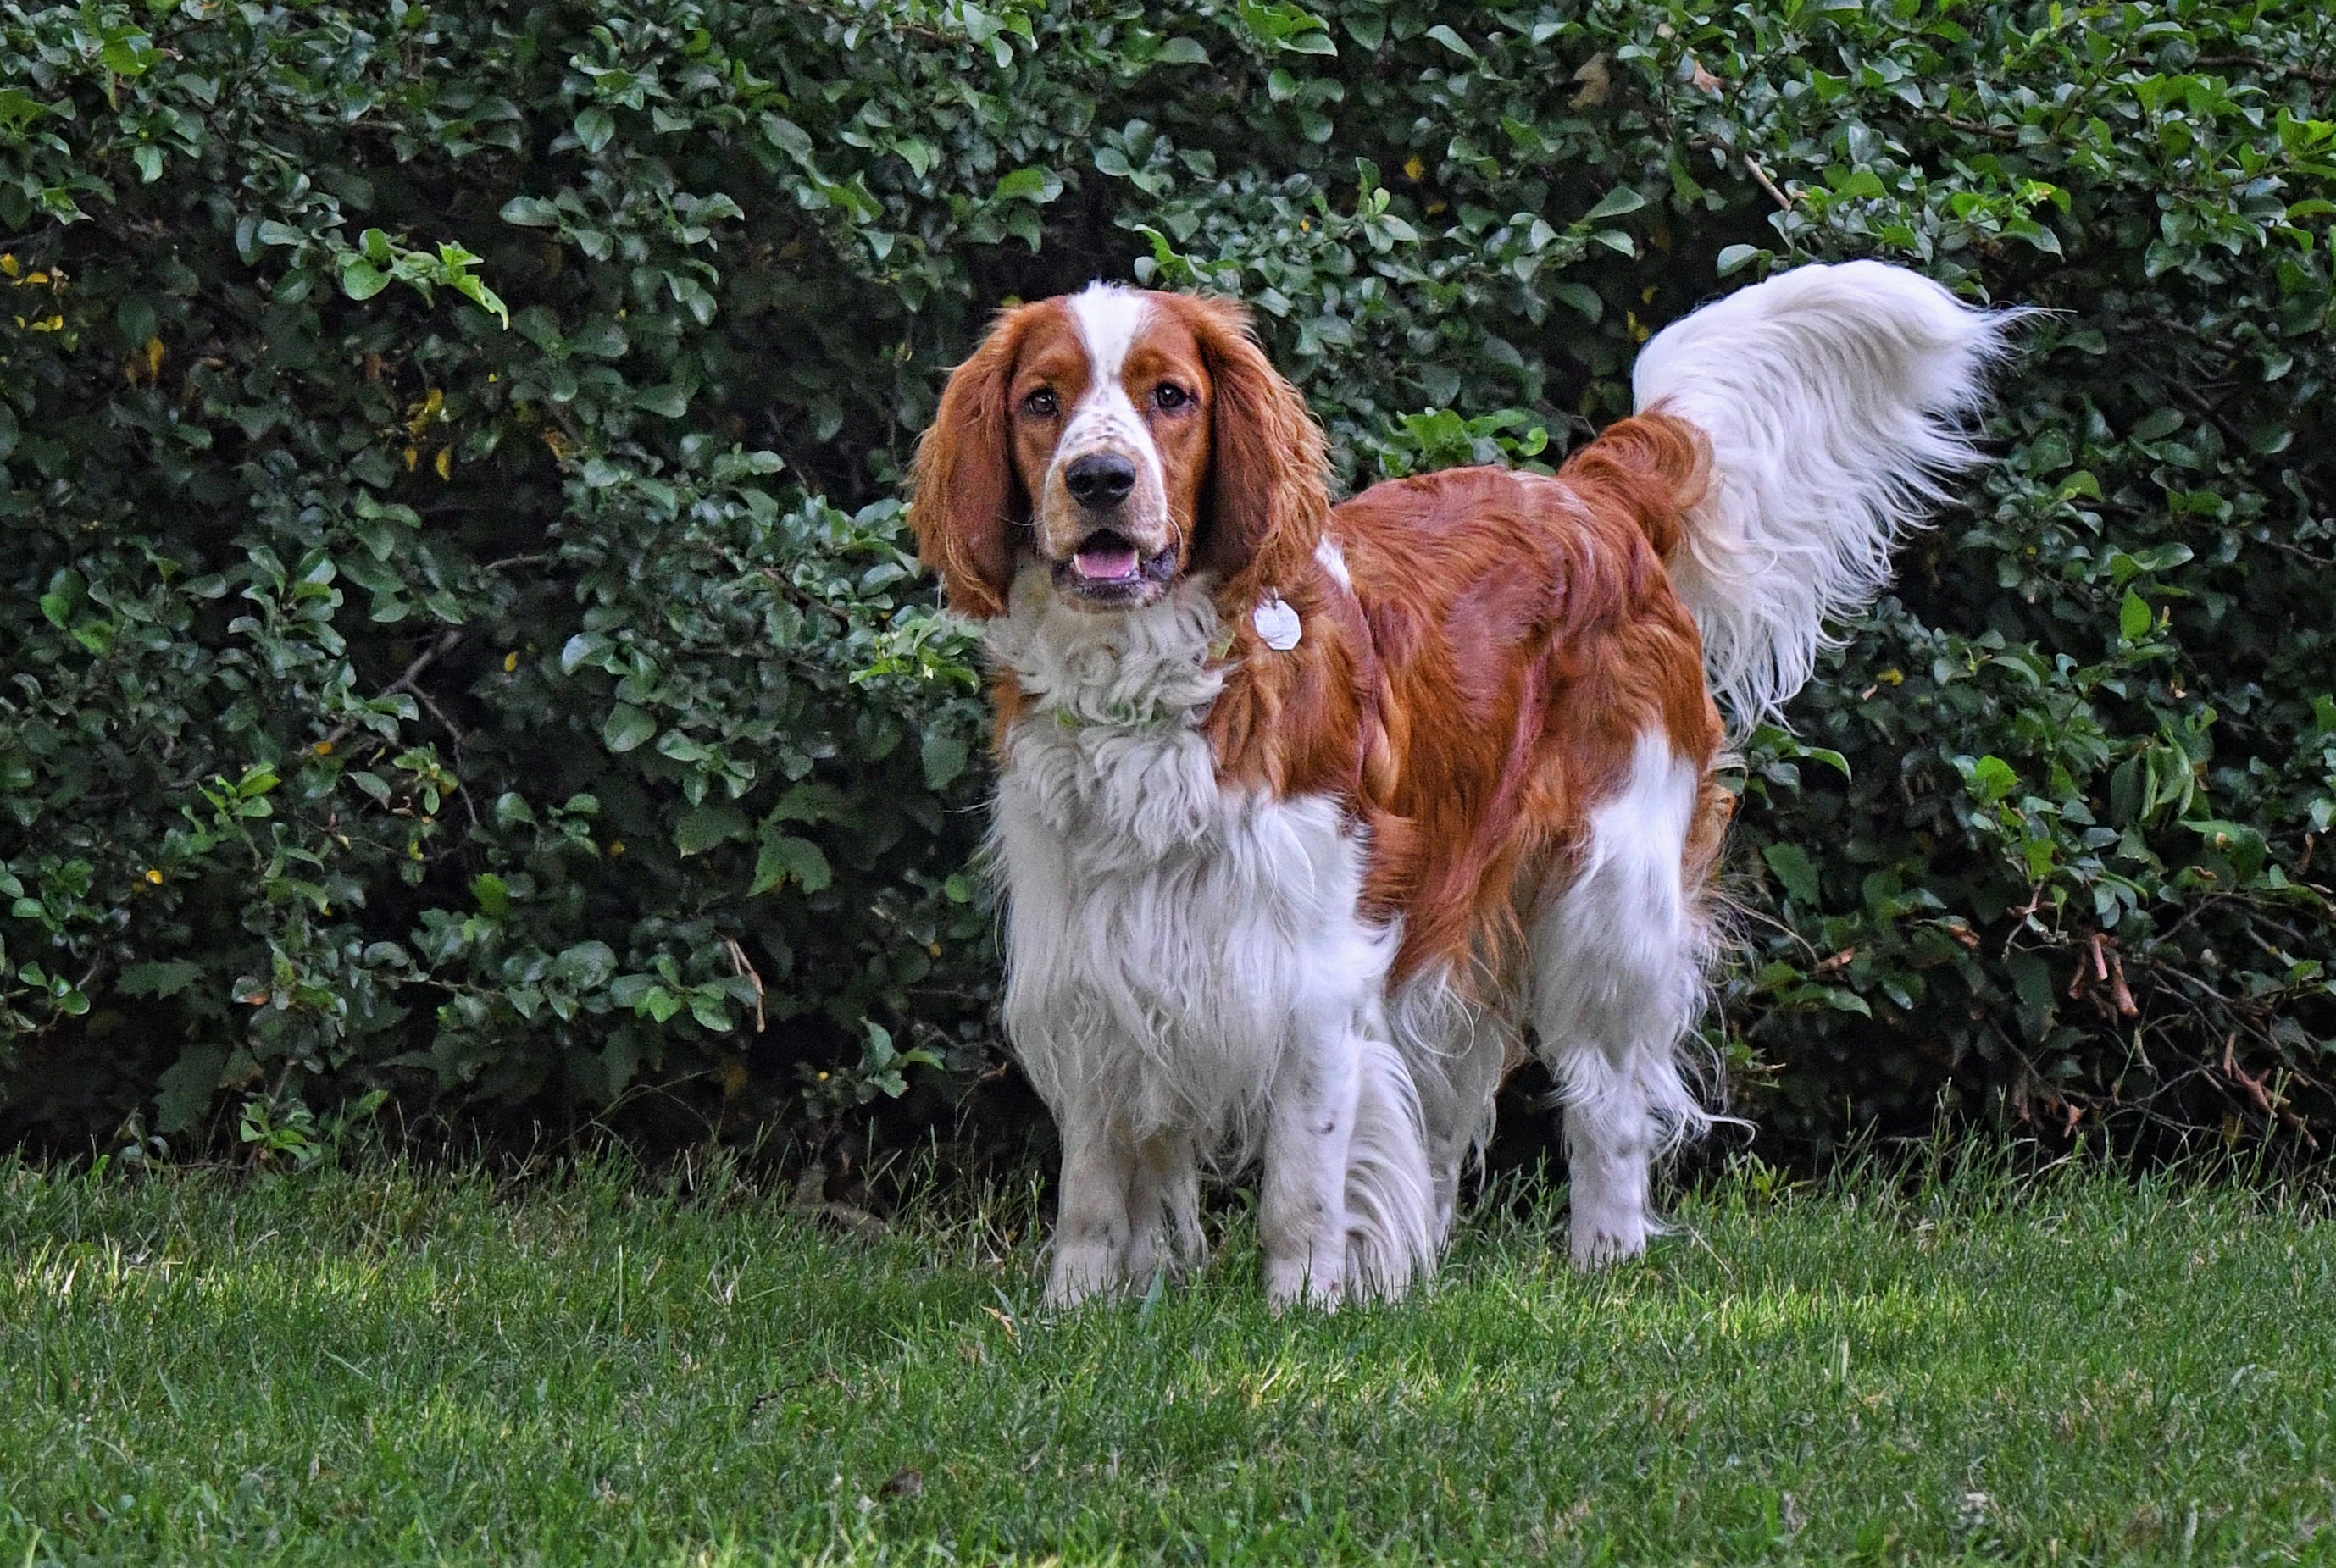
(459, 630)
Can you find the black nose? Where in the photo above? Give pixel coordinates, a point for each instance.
(1100, 479)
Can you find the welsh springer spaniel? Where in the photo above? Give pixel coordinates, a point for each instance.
(1308, 816)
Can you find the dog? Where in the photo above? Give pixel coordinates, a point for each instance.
(1309, 818)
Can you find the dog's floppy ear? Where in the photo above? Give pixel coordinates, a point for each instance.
(1266, 499)
(968, 502)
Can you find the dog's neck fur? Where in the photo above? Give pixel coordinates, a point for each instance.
(1141, 668)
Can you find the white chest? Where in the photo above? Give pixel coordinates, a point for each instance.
(1167, 940)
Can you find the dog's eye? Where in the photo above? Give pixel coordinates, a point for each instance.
(1168, 395)
(1042, 404)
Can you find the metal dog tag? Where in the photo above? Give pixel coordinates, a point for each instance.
(1276, 623)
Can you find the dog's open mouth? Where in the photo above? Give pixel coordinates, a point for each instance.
(1109, 568)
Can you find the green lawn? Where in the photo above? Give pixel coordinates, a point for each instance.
(376, 1367)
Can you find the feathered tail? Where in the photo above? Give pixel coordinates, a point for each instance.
(1834, 400)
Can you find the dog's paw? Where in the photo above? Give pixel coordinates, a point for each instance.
(1601, 1241)
(1293, 1282)
(1080, 1274)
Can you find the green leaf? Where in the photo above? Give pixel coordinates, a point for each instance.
(708, 825)
(160, 977)
(1579, 296)
(944, 758)
(1795, 871)
(2134, 616)
(627, 728)
(1615, 203)
(361, 279)
(493, 893)
(782, 857)
(1181, 51)
(594, 127)
(1992, 778)
(530, 213)
(788, 137)
(1037, 185)
(585, 967)
(184, 1091)
(1453, 41)
(583, 646)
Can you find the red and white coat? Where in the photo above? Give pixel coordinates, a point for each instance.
(1305, 812)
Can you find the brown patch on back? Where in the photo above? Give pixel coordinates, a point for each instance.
(1527, 636)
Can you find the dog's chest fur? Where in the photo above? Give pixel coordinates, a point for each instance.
(1165, 935)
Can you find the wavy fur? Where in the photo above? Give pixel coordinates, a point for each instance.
(1834, 401)
(1299, 900)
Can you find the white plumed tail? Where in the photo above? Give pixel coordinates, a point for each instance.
(1835, 399)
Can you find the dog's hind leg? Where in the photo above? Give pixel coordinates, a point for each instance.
(1617, 982)
(1455, 1050)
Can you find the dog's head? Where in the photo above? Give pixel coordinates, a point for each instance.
(1123, 440)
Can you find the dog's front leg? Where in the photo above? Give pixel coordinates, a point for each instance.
(1164, 1209)
(1090, 1222)
(1302, 1211)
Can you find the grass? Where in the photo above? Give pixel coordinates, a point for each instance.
(372, 1366)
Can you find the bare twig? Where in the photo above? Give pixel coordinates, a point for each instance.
(428, 656)
(1973, 128)
(2256, 62)
(1760, 177)
(748, 973)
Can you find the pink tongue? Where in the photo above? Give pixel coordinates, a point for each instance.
(1104, 562)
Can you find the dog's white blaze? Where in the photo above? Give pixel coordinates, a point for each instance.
(1104, 419)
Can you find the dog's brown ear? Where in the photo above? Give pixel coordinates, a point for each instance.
(967, 503)
(1267, 498)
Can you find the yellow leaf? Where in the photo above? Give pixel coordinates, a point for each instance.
(1596, 80)
(411, 457)
(155, 877)
(155, 353)
(8, 264)
(445, 464)
(1413, 168)
(511, 662)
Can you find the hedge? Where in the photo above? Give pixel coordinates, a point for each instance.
(462, 644)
